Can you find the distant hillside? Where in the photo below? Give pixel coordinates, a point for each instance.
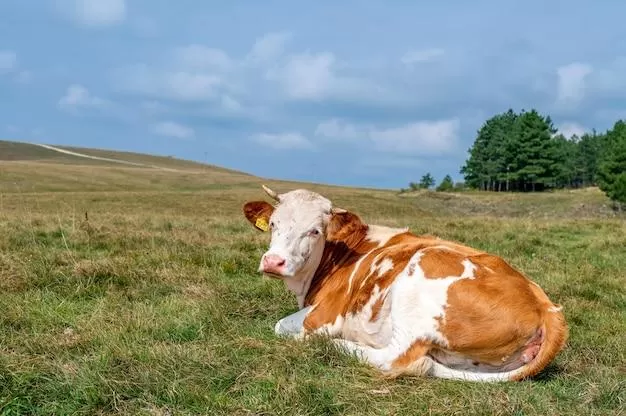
(27, 167)
(150, 160)
(18, 151)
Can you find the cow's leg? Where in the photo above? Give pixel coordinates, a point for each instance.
(292, 325)
(377, 357)
(392, 361)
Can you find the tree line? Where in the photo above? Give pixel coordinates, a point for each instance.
(524, 152)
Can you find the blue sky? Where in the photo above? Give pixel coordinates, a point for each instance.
(372, 93)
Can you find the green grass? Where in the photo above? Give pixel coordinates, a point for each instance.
(153, 305)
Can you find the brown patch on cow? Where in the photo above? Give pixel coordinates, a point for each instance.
(554, 334)
(491, 316)
(459, 248)
(555, 337)
(416, 351)
(401, 238)
(440, 263)
(377, 306)
(346, 227)
(254, 210)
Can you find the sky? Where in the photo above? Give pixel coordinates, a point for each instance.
(364, 93)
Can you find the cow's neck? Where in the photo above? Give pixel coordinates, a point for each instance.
(299, 284)
(337, 253)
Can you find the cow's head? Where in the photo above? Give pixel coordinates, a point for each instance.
(300, 223)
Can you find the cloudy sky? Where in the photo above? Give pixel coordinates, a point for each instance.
(371, 93)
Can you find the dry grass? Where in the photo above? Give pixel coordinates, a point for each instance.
(160, 161)
(152, 305)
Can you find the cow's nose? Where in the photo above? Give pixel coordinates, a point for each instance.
(273, 263)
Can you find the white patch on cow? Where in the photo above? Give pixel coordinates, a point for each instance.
(385, 266)
(439, 247)
(380, 268)
(555, 308)
(357, 265)
(360, 327)
(381, 235)
(371, 355)
(468, 269)
(418, 301)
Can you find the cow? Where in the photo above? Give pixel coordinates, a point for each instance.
(404, 304)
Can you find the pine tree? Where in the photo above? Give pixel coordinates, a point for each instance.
(427, 181)
(612, 167)
(589, 149)
(535, 155)
(446, 184)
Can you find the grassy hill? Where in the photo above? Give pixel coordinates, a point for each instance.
(25, 152)
(19, 151)
(134, 290)
(31, 168)
(150, 160)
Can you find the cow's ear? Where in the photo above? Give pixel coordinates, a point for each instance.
(258, 213)
(343, 225)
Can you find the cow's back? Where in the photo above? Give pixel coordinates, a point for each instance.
(457, 296)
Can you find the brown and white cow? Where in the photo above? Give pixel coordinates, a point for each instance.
(405, 304)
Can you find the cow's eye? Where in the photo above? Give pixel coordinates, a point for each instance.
(272, 224)
(314, 232)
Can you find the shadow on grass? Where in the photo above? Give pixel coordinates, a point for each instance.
(548, 374)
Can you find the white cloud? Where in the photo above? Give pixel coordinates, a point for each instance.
(8, 61)
(282, 141)
(269, 46)
(570, 129)
(421, 56)
(422, 137)
(337, 129)
(77, 97)
(172, 129)
(96, 13)
(314, 77)
(571, 82)
(203, 57)
(174, 85)
(308, 76)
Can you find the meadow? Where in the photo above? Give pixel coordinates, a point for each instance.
(130, 290)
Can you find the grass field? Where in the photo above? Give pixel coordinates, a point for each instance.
(129, 290)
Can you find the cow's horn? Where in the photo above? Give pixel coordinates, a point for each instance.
(271, 193)
(335, 210)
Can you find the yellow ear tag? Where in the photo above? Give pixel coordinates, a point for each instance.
(261, 224)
